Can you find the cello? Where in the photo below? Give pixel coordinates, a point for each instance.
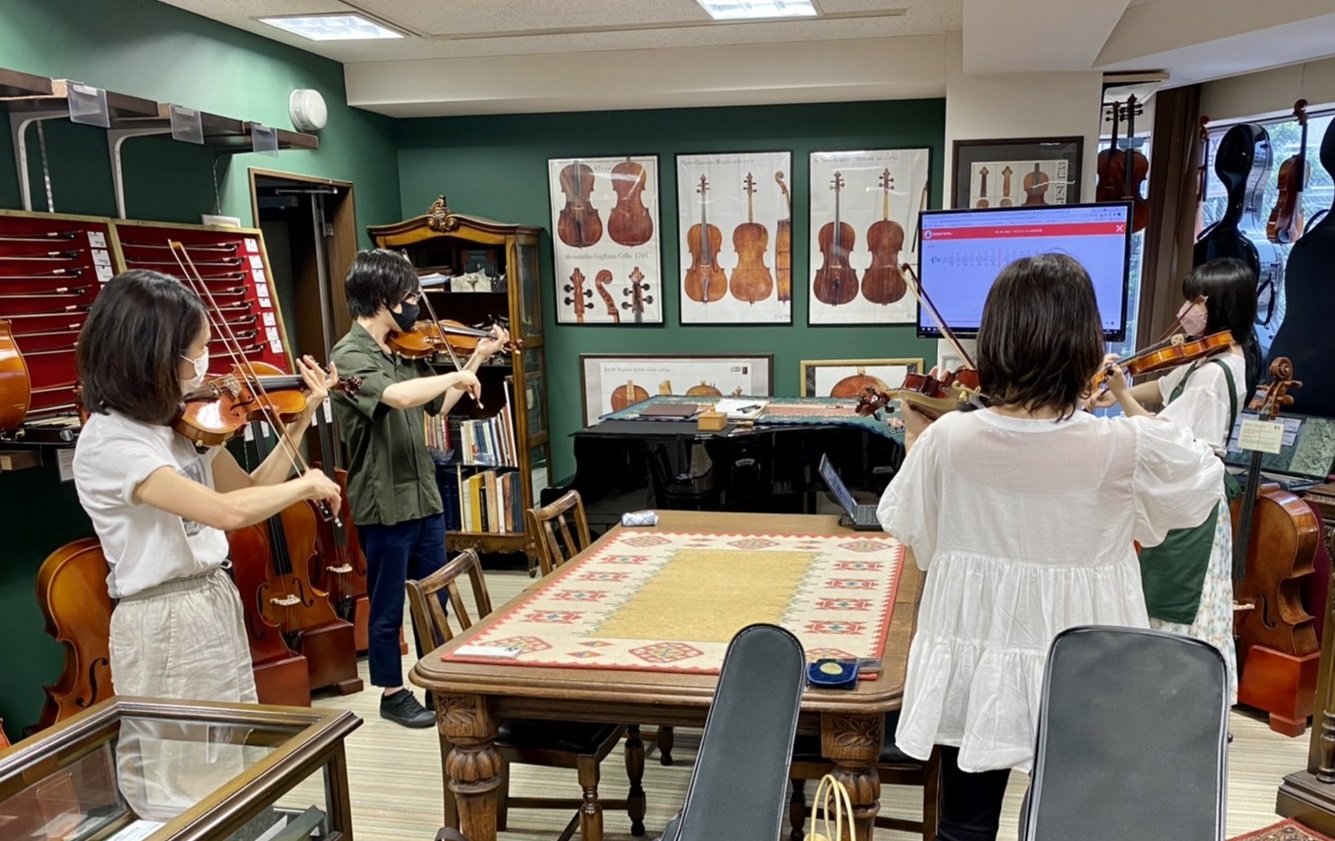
(783, 245)
(1132, 168)
(578, 225)
(1109, 186)
(340, 567)
(883, 283)
(751, 280)
(1275, 538)
(629, 223)
(705, 279)
(1285, 225)
(72, 595)
(836, 282)
(15, 384)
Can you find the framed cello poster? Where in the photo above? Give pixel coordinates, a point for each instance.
(605, 245)
(1019, 172)
(734, 218)
(864, 226)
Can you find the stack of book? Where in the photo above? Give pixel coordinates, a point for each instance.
(485, 441)
(489, 502)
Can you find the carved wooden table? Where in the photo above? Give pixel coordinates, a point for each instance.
(472, 699)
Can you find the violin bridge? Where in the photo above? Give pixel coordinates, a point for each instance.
(341, 569)
(284, 601)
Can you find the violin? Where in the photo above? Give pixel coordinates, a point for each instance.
(783, 245)
(1036, 187)
(882, 282)
(214, 413)
(578, 225)
(427, 338)
(15, 384)
(836, 282)
(600, 281)
(1274, 544)
(1285, 225)
(1175, 351)
(751, 280)
(705, 279)
(629, 223)
(72, 594)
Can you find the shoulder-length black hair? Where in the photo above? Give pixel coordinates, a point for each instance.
(1040, 342)
(130, 348)
(1229, 287)
(378, 276)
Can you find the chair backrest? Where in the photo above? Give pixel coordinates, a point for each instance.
(550, 526)
(431, 623)
(748, 736)
(1132, 739)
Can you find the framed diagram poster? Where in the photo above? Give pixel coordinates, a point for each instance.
(875, 197)
(605, 240)
(1016, 173)
(741, 272)
(850, 377)
(611, 382)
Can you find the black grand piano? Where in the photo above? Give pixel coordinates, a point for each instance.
(628, 465)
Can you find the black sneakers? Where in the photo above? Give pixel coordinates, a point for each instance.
(402, 708)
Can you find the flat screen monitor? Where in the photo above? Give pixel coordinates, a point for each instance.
(963, 251)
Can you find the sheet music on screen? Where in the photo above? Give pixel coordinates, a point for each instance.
(964, 250)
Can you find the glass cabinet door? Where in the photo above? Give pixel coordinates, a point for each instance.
(535, 392)
(530, 291)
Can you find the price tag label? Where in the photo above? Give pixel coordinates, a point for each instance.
(256, 262)
(65, 463)
(101, 258)
(97, 239)
(328, 411)
(1261, 436)
(104, 273)
(252, 247)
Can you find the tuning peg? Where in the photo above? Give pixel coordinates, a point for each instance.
(569, 288)
(648, 299)
(625, 305)
(588, 293)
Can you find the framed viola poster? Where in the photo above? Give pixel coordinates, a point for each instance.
(612, 382)
(849, 377)
(1015, 173)
(605, 245)
(740, 270)
(864, 226)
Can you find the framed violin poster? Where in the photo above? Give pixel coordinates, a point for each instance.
(605, 240)
(1019, 172)
(851, 377)
(734, 214)
(613, 382)
(864, 225)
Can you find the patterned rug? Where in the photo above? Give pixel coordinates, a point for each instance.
(670, 602)
(1283, 831)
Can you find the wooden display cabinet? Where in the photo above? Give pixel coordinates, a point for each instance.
(181, 771)
(442, 242)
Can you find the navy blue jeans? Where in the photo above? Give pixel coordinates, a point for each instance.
(411, 549)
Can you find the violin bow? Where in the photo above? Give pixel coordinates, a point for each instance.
(236, 353)
(440, 328)
(915, 286)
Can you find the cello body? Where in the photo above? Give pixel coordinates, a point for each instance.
(578, 224)
(1280, 550)
(72, 594)
(835, 283)
(883, 282)
(629, 223)
(751, 279)
(15, 384)
(282, 676)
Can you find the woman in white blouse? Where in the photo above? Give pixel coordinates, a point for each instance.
(1024, 516)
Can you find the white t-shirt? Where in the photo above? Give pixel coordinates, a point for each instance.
(144, 545)
(1203, 405)
(1026, 529)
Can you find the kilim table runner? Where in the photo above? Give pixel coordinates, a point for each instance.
(669, 602)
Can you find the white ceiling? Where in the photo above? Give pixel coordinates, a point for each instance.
(514, 56)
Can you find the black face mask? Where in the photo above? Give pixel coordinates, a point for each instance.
(407, 316)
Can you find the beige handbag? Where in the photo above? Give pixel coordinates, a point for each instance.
(833, 808)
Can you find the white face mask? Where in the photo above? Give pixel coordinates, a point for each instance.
(201, 370)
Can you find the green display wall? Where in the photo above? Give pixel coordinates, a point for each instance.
(496, 167)
(152, 50)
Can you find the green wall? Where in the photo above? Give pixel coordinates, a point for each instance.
(496, 167)
(155, 51)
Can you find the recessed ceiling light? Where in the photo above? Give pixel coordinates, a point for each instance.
(332, 27)
(757, 9)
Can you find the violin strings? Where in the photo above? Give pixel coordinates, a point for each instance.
(233, 348)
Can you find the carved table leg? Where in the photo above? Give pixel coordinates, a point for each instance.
(853, 744)
(473, 766)
(636, 803)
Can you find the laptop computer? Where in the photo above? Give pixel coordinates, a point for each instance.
(1305, 459)
(860, 517)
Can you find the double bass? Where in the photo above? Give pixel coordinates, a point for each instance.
(883, 283)
(705, 279)
(629, 223)
(836, 283)
(578, 224)
(751, 280)
(1285, 225)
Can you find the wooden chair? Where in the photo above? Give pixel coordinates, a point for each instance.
(894, 768)
(554, 744)
(550, 526)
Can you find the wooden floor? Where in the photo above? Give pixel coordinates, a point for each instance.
(397, 795)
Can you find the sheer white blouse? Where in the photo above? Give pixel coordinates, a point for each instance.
(1025, 528)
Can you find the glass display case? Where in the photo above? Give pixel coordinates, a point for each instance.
(133, 769)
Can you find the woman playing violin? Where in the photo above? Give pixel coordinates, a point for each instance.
(1024, 513)
(160, 506)
(1188, 578)
(392, 487)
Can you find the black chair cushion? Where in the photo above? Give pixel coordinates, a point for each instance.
(807, 748)
(572, 736)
